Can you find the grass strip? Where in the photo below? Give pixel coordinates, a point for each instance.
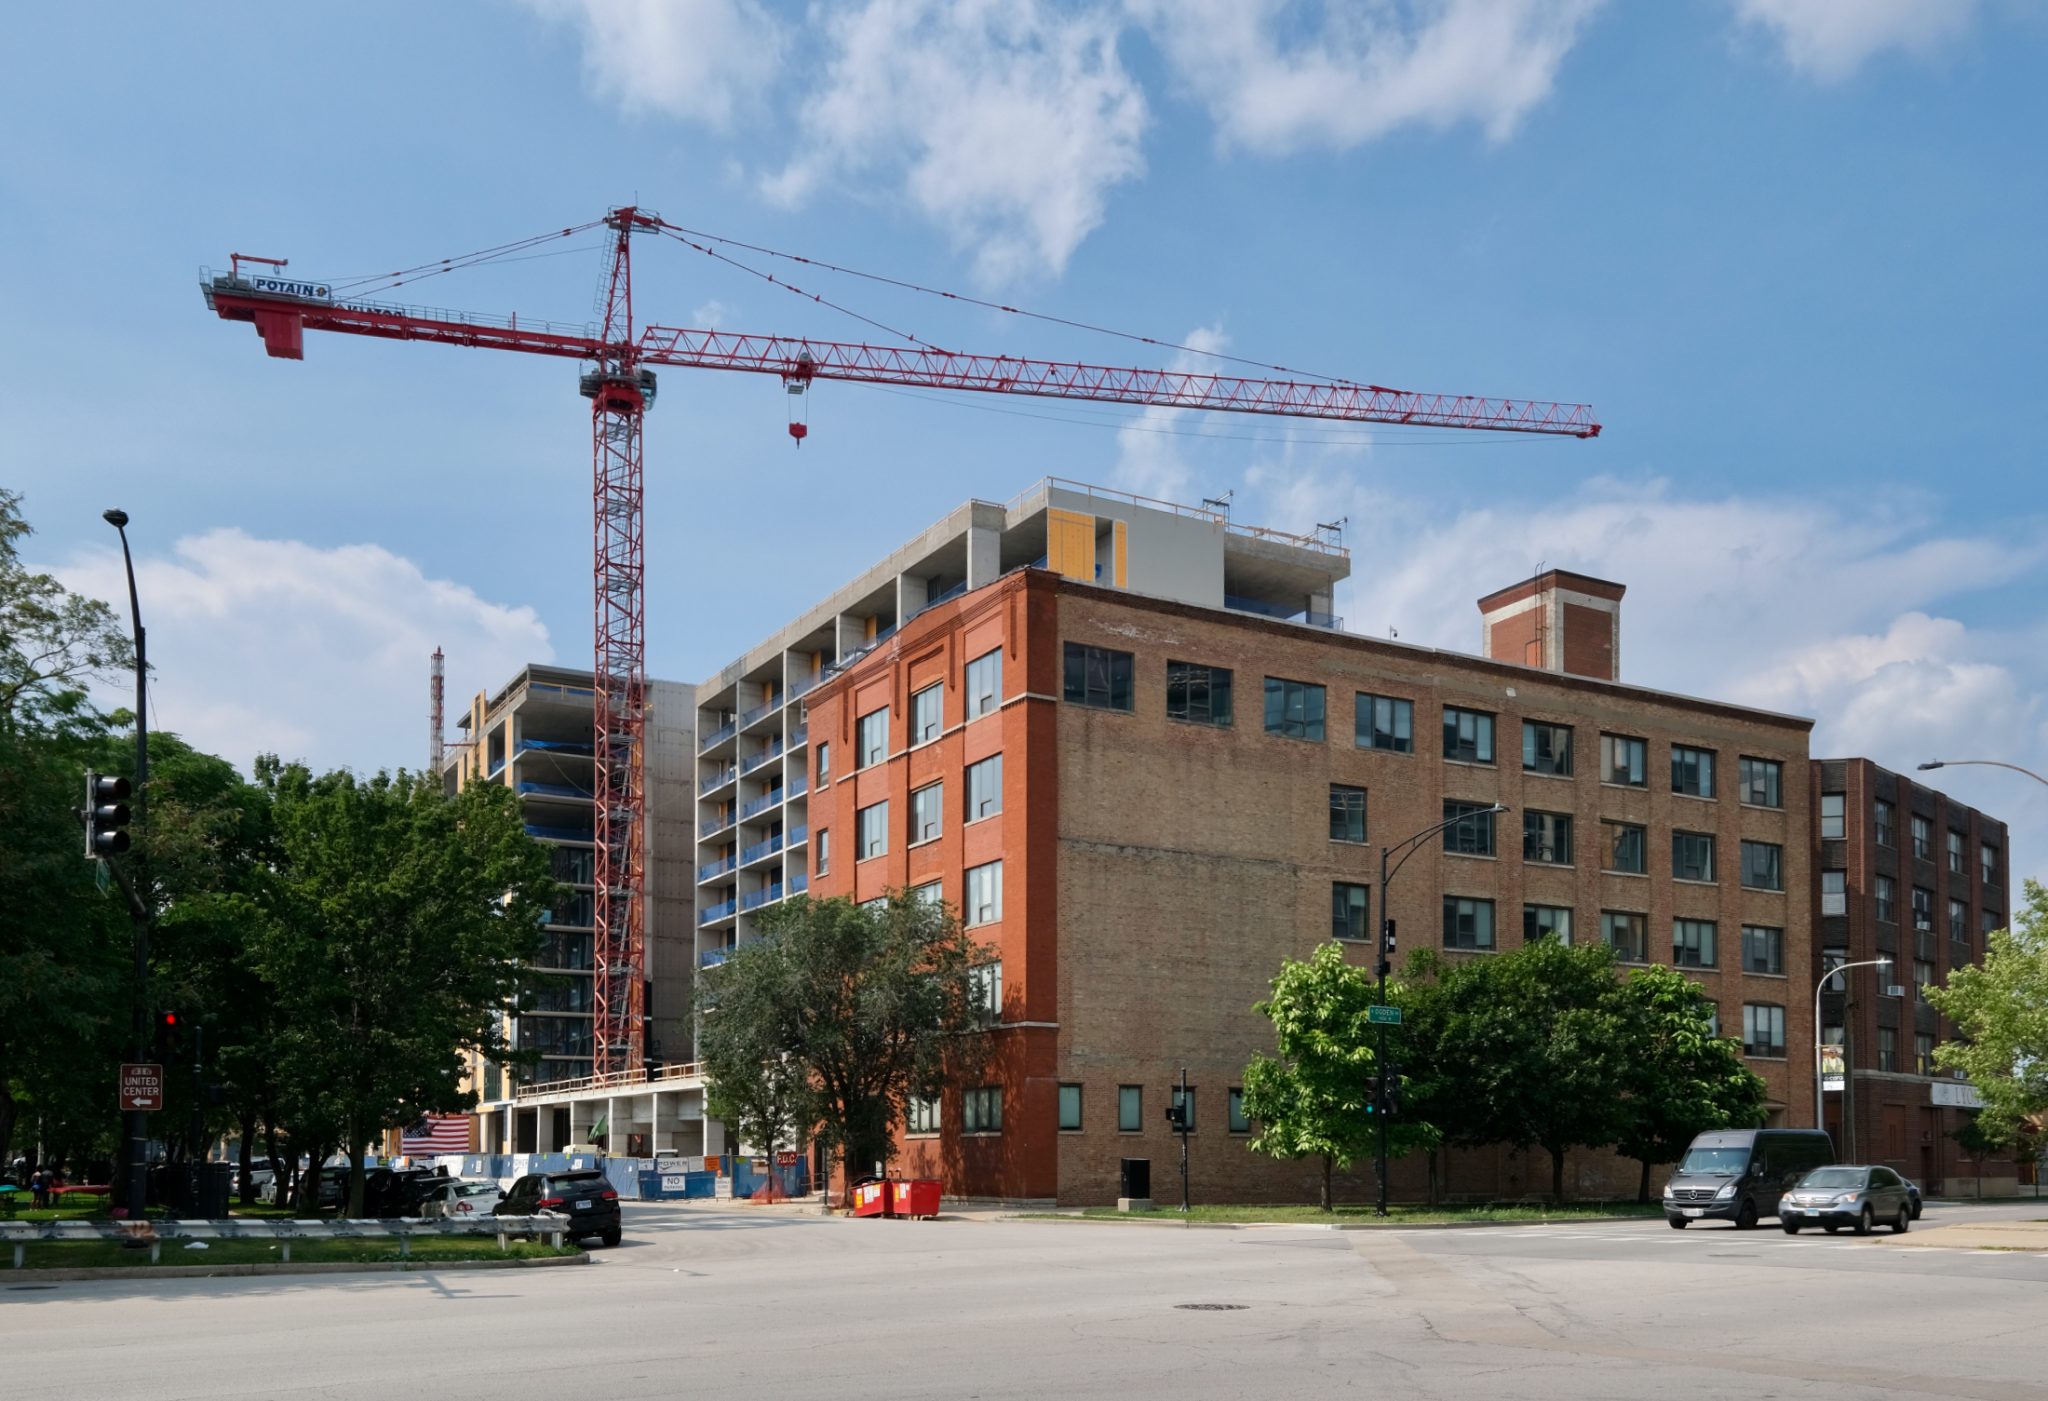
(1400, 1215)
(92, 1254)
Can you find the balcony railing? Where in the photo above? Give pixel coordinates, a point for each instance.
(798, 836)
(754, 761)
(723, 732)
(711, 914)
(799, 735)
(554, 790)
(804, 683)
(717, 780)
(711, 827)
(754, 900)
(558, 834)
(796, 787)
(759, 712)
(753, 807)
(715, 869)
(754, 853)
(711, 958)
(557, 746)
(799, 883)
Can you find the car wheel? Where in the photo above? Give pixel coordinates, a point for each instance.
(1905, 1219)
(1677, 1223)
(612, 1237)
(1867, 1222)
(1831, 1227)
(1745, 1217)
(1791, 1228)
(1916, 1211)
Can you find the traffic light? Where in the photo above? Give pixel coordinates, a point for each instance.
(1176, 1118)
(170, 1031)
(106, 815)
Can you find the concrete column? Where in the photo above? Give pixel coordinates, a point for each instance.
(984, 556)
(912, 594)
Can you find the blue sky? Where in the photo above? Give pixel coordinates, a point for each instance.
(1789, 249)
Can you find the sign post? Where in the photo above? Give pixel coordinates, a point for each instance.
(142, 1088)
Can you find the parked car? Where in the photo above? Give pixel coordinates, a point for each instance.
(586, 1198)
(390, 1192)
(457, 1196)
(1738, 1174)
(1913, 1194)
(1845, 1195)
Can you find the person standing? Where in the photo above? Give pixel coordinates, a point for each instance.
(39, 1188)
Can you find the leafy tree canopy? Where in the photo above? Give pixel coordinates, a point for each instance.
(2000, 1008)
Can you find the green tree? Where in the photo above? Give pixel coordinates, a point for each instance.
(1678, 1078)
(399, 933)
(764, 1095)
(875, 1005)
(1314, 1100)
(2000, 1009)
(52, 641)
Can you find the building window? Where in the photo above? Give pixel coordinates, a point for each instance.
(1714, 1022)
(872, 739)
(981, 1110)
(1468, 735)
(1184, 1101)
(985, 683)
(1923, 978)
(1546, 922)
(925, 709)
(920, 1115)
(1763, 1029)
(1763, 865)
(1627, 933)
(1887, 1048)
(821, 848)
(1832, 808)
(1923, 838)
(1923, 1053)
(1887, 893)
(1294, 709)
(925, 805)
(1989, 921)
(1130, 1108)
(1471, 829)
(930, 893)
(985, 991)
(1623, 847)
(1881, 819)
(1350, 911)
(1070, 1109)
(1956, 842)
(1385, 722)
(1692, 856)
(1546, 748)
(1958, 921)
(1547, 838)
(1238, 1122)
(1763, 949)
(1468, 924)
(824, 763)
(1762, 782)
(1834, 892)
(985, 788)
(1198, 694)
(1692, 943)
(874, 830)
(984, 894)
(1832, 957)
(1624, 761)
(1098, 677)
(1347, 813)
(1988, 856)
(1692, 771)
(1923, 909)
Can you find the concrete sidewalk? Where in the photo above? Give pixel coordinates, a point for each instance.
(1984, 1235)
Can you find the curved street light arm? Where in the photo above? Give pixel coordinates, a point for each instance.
(1819, 988)
(1987, 763)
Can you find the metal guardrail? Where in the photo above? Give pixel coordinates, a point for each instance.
(20, 1234)
(617, 1079)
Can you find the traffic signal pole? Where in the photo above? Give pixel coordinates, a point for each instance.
(137, 1120)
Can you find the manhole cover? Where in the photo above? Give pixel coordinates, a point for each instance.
(1213, 1308)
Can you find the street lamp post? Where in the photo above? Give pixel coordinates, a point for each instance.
(1988, 763)
(1818, 989)
(139, 897)
(1405, 849)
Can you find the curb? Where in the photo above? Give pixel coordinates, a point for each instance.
(311, 1267)
(1324, 1225)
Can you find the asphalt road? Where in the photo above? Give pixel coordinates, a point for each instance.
(743, 1303)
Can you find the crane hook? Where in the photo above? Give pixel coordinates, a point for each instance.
(797, 382)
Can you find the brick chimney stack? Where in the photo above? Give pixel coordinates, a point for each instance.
(1559, 621)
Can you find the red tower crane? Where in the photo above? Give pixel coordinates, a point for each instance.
(619, 382)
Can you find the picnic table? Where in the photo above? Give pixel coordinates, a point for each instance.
(101, 1190)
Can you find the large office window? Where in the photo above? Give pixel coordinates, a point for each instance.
(1763, 865)
(1347, 813)
(1070, 1109)
(985, 788)
(1546, 748)
(1471, 834)
(1198, 694)
(984, 894)
(1832, 808)
(1294, 709)
(1692, 771)
(925, 812)
(1692, 856)
(981, 1109)
(1623, 760)
(1547, 838)
(1923, 838)
(926, 708)
(1627, 933)
(1130, 1108)
(1762, 782)
(1468, 924)
(1763, 1029)
(1624, 847)
(1763, 949)
(1468, 735)
(985, 683)
(1350, 911)
(1385, 722)
(1886, 892)
(871, 740)
(1692, 943)
(1098, 676)
(874, 829)
(1546, 922)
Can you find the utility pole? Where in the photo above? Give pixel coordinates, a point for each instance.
(137, 1127)
(1183, 1128)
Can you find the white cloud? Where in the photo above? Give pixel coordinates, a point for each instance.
(1150, 458)
(1283, 75)
(1005, 122)
(699, 59)
(308, 652)
(1831, 39)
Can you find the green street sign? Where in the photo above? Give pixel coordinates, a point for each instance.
(1390, 1015)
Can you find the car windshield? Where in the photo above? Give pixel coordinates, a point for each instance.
(1725, 1162)
(1833, 1177)
(475, 1189)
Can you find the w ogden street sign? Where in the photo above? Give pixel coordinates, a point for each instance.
(142, 1087)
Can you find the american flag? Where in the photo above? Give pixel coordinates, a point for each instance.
(436, 1133)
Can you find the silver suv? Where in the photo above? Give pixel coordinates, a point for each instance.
(1838, 1196)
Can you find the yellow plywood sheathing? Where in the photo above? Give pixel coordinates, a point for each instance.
(1123, 575)
(1070, 544)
